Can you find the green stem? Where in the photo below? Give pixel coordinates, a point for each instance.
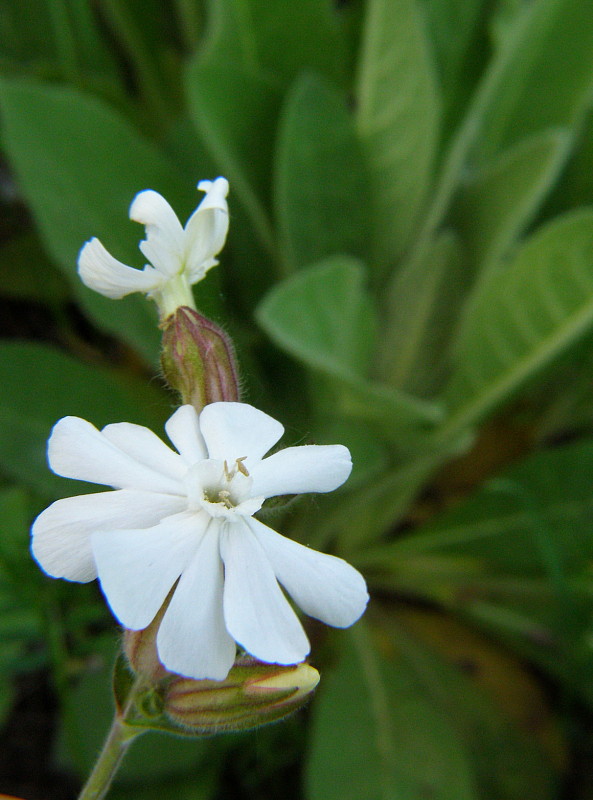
(118, 740)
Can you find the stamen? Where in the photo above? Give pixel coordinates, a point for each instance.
(241, 466)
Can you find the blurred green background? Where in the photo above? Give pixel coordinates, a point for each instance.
(409, 271)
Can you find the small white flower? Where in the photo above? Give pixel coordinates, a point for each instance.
(179, 256)
(186, 516)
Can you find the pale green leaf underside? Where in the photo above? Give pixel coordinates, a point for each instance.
(539, 307)
(324, 317)
(321, 187)
(398, 116)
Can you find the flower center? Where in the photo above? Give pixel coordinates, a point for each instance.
(221, 490)
(223, 495)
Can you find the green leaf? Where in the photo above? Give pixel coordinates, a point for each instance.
(278, 38)
(40, 385)
(454, 28)
(323, 316)
(375, 727)
(79, 165)
(497, 203)
(507, 759)
(543, 502)
(25, 259)
(421, 322)
(398, 113)
(514, 559)
(538, 308)
(235, 112)
(321, 193)
(548, 80)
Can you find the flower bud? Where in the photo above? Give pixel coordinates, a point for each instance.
(198, 359)
(141, 652)
(253, 694)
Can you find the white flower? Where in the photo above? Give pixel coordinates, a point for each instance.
(187, 515)
(179, 256)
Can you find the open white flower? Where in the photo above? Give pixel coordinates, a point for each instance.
(186, 516)
(179, 256)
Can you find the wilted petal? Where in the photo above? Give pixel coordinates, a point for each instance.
(76, 449)
(137, 568)
(100, 271)
(207, 228)
(164, 241)
(146, 448)
(325, 587)
(257, 614)
(192, 638)
(61, 534)
(295, 470)
(238, 430)
(183, 430)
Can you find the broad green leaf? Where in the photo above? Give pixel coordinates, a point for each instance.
(235, 112)
(538, 308)
(79, 165)
(497, 203)
(376, 728)
(322, 202)
(513, 559)
(428, 300)
(490, 698)
(398, 112)
(548, 81)
(279, 38)
(455, 27)
(323, 316)
(23, 259)
(533, 519)
(40, 385)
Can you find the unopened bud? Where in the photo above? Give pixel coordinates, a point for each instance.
(198, 359)
(252, 694)
(141, 652)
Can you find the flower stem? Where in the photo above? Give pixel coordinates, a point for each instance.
(118, 740)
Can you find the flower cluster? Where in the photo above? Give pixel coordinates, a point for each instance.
(183, 521)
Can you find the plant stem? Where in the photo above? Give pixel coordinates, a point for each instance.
(118, 740)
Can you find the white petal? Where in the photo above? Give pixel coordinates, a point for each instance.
(61, 534)
(146, 448)
(295, 470)
(207, 228)
(100, 271)
(137, 568)
(238, 430)
(324, 586)
(183, 430)
(164, 241)
(192, 638)
(257, 614)
(76, 449)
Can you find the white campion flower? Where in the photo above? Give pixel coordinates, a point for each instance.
(179, 256)
(188, 515)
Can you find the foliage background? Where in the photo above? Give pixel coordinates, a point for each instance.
(409, 271)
